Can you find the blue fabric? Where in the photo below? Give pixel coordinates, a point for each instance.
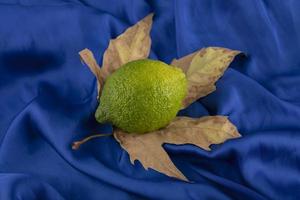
(48, 99)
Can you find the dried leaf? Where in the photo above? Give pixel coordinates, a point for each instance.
(133, 44)
(88, 58)
(147, 148)
(203, 68)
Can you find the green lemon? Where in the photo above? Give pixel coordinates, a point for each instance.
(142, 96)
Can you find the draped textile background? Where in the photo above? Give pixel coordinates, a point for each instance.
(47, 100)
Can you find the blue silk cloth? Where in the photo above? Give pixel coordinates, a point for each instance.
(48, 100)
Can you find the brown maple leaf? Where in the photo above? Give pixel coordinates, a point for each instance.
(202, 68)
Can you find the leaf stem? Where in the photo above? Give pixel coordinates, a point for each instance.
(77, 144)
